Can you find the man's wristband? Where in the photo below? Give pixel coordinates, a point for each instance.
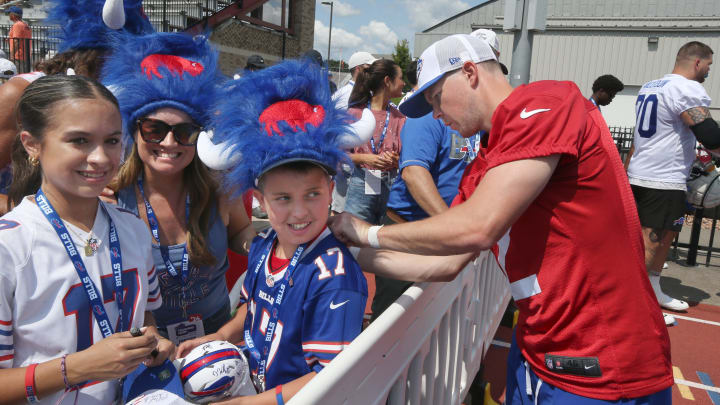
(30, 390)
(373, 236)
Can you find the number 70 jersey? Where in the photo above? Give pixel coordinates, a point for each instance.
(664, 144)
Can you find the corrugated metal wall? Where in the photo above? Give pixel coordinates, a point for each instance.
(583, 55)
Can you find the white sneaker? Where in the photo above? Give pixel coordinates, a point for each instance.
(665, 265)
(669, 320)
(665, 300)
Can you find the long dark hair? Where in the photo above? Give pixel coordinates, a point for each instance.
(34, 112)
(370, 80)
(85, 62)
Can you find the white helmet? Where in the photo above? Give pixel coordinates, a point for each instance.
(213, 371)
(7, 69)
(703, 187)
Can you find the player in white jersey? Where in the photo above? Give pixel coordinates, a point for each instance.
(672, 113)
(74, 276)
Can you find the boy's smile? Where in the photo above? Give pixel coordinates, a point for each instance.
(297, 205)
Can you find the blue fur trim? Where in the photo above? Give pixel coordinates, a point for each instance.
(139, 96)
(246, 98)
(81, 24)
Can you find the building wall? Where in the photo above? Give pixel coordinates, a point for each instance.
(585, 39)
(238, 40)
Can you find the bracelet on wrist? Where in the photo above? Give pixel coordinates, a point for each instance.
(30, 389)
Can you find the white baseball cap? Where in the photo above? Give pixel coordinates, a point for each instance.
(7, 69)
(491, 38)
(488, 36)
(443, 56)
(360, 58)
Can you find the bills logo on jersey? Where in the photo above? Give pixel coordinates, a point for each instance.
(99, 311)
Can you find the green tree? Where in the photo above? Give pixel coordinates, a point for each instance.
(402, 57)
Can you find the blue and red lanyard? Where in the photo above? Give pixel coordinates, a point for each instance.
(153, 222)
(261, 352)
(93, 294)
(382, 135)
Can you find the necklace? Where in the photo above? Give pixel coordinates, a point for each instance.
(92, 243)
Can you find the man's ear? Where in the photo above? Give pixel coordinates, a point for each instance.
(470, 71)
(260, 197)
(31, 144)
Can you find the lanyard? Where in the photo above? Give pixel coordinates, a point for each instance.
(384, 131)
(592, 100)
(98, 309)
(153, 222)
(260, 352)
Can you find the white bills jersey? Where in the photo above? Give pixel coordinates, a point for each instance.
(664, 144)
(44, 308)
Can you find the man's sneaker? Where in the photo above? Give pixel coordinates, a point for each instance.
(669, 320)
(257, 212)
(665, 300)
(665, 265)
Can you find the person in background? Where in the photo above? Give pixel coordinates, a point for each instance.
(411, 74)
(358, 61)
(672, 116)
(19, 38)
(316, 58)
(376, 162)
(604, 89)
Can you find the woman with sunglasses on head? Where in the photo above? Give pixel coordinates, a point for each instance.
(76, 274)
(165, 84)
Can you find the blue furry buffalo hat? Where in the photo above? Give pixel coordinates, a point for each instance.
(147, 73)
(90, 24)
(275, 116)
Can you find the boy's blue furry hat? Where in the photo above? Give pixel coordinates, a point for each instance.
(90, 23)
(275, 116)
(159, 70)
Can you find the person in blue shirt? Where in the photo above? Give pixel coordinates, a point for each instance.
(432, 161)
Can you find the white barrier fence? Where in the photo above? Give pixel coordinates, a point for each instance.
(424, 349)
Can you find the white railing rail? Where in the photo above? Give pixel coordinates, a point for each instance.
(424, 349)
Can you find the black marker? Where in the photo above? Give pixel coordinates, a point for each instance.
(135, 332)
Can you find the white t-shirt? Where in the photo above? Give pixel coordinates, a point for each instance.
(44, 309)
(341, 97)
(664, 144)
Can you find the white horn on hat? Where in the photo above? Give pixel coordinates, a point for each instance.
(360, 131)
(113, 14)
(216, 156)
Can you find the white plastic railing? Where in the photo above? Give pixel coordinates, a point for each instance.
(424, 349)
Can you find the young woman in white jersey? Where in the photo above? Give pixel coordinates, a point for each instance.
(76, 274)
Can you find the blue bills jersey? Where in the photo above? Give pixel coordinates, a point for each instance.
(321, 312)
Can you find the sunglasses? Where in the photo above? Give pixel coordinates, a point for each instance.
(155, 131)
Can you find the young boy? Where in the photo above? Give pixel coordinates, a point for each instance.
(304, 293)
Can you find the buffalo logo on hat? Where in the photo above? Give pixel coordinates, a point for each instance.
(175, 64)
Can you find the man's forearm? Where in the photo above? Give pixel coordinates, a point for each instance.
(422, 187)
(410, 267)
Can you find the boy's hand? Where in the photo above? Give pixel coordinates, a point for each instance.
(349, 229)
(186, 346)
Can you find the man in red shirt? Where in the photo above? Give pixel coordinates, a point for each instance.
(19, 37)
(549, 195)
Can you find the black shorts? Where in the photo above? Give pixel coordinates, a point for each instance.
(660, 209)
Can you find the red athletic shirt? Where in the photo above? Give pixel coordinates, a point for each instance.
(575, 257)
